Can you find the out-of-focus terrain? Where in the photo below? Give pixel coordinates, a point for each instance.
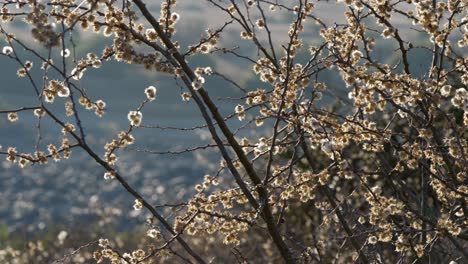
(74, 191)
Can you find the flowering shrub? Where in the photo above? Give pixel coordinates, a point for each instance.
(378, 176)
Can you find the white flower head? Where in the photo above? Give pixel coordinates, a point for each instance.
(460, 99)
(109, 175)
(138, 205)
(64, 92)
(100, 104)
(186, 96)
(446, 90)
(7, 50)
(28, 65)
(135, 118)
(103, 242)
(175, 16)
(239, 109)
(77, 73)
(261, 146)
(39, 112)
(65, 53)
(198, 83)
(151, 35)
(372, 240)
(208, 71)
(150, 93)
(153, 233)
(13, 117)
(240, 112)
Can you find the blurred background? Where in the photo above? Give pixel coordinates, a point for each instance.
(39, 201)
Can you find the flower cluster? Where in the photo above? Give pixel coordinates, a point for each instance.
(55, 88)
(345, 135)
(150, 93)
(135, 118)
